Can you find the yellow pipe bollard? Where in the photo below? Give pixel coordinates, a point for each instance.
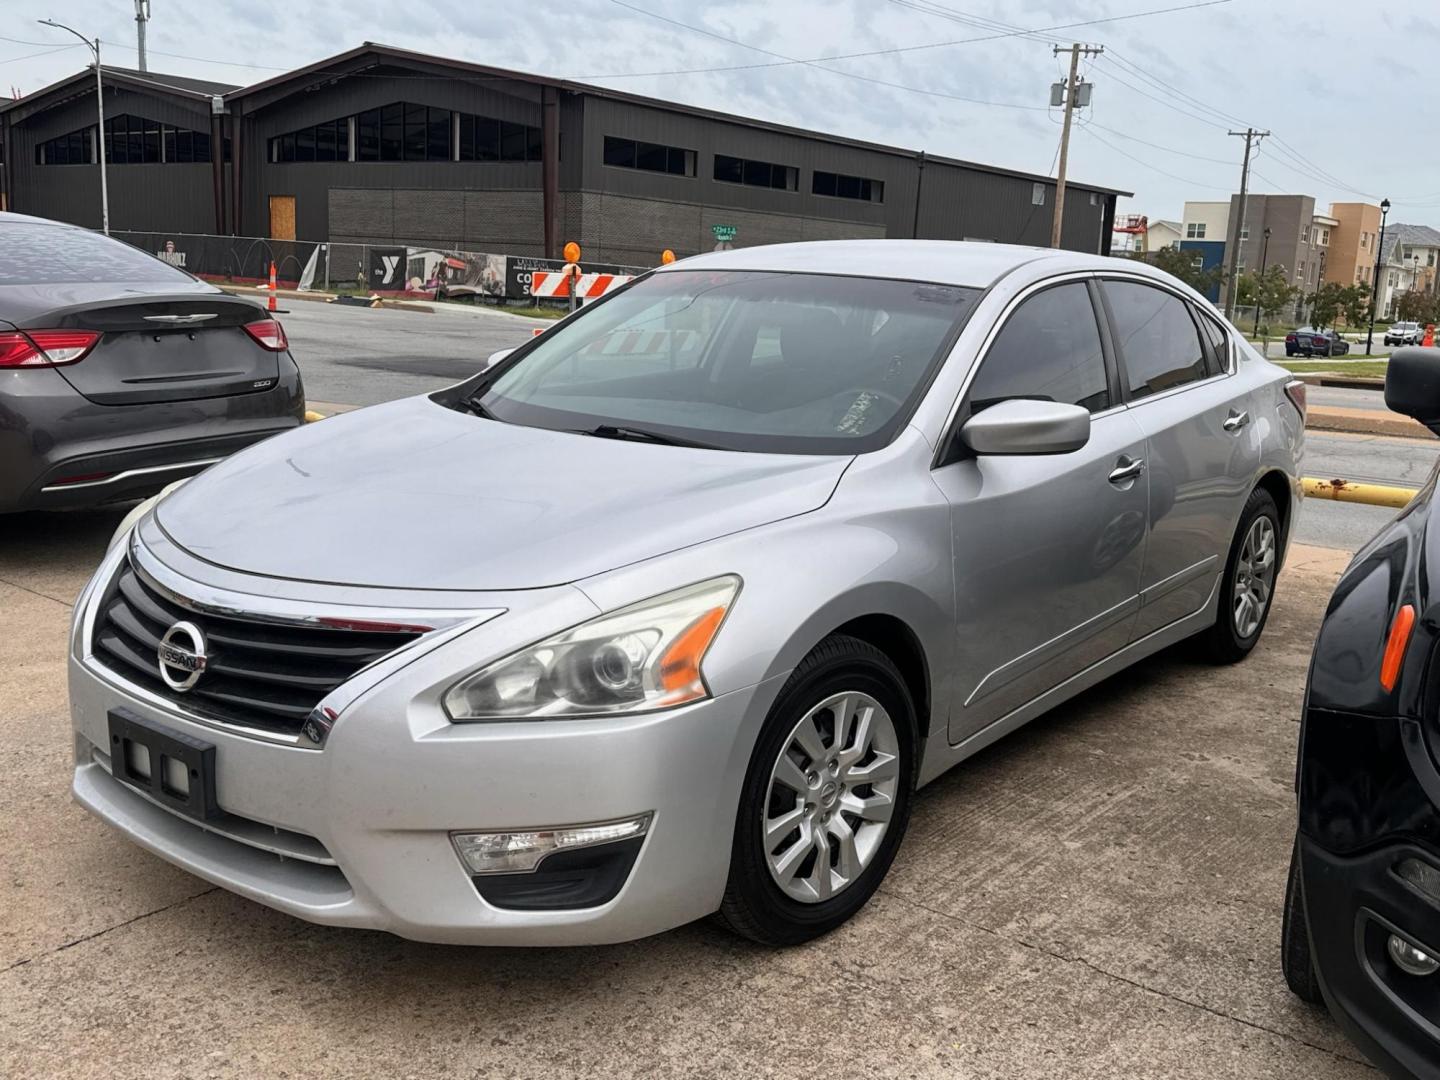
(1351, 491)
(311, 416)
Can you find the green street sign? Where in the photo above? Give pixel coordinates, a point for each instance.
(724, 232)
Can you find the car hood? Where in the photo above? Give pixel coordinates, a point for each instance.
(416, 495)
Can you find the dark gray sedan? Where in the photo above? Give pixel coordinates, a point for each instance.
(120, 373)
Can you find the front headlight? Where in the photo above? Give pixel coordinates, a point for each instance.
(638, 659)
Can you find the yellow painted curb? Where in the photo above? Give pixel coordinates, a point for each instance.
(1349, 491)
(311, 416)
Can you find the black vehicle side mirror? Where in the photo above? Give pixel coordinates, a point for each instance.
(1412, 384)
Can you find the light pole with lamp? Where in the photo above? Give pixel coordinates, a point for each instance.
(1375, 290)
(1260, 284)
(94, 47)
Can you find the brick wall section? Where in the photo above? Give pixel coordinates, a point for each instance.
(623, 229)
(499, 221)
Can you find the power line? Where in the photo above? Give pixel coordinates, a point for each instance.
(1157, 146)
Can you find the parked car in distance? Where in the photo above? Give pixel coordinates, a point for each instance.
(120, 373)
(670, 610)
(1362, 909)
(1307, 341)
(1404, 333)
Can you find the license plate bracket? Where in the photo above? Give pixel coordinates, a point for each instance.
(175, 769)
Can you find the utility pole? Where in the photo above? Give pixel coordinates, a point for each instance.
(142, 16)
(1071, 92)
(1251, 136)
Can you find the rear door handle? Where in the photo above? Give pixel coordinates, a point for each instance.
(1236, 420)
(1126, 470)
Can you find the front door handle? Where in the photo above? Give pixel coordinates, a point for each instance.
(1236, 420)
(1126, 469)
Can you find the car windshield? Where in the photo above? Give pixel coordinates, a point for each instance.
(737, 360)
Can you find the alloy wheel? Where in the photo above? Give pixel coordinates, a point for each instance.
(831, 796)
(1254, 577)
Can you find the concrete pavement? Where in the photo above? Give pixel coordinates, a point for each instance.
(1097, 896)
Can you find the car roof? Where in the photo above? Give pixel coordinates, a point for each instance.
(949, 262)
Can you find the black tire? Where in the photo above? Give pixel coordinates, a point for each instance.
(754, 905)
(1295, 959)
(1222, 641)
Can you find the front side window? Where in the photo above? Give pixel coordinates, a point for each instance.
(1156, 336)
(743, 360)
(1048, 350)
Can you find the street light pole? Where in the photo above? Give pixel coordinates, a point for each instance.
(94, 47)
(1375, 290)
(1260, 284)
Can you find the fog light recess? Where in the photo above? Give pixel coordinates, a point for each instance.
(1410, 958)
(521, 851)
(571, 867)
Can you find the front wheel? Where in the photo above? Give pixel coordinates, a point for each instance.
(1249, 582)
(826, 797)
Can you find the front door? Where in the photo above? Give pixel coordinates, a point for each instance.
(282, 217)
(1201, 443)
(1047, 548)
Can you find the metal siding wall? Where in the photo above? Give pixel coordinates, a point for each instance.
(957, 202)
(708, 137)
(311, 182)
(169, 197)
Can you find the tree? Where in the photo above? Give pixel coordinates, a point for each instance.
(1325, 304)
(1416, 306)
(1181, 264)
(1276, 292)
(1355, 304)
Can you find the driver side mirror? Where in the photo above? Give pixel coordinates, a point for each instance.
(495, 358)
(1028, 427)
(1412, 384)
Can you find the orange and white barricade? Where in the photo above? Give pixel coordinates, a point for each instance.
(556, 283)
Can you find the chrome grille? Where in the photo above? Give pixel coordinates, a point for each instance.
(261, 675)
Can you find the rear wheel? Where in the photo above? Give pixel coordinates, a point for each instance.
(1295, 959)
(1249, 582)
(826, 797)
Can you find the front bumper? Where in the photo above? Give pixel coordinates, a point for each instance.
(1368, 802)
(357, 833)
(1354, 904)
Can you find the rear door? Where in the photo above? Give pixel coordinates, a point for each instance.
(1202, 450)
(164, 336)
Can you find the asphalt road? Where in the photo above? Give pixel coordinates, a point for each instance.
(363, 356)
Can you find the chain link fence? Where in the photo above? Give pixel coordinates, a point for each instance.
(388, 269)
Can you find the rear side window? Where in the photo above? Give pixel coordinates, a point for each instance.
(1157, 338)
(1217, 345)
(49, 255)
(1049, 350)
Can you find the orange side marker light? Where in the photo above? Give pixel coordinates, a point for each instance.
(1395, 646)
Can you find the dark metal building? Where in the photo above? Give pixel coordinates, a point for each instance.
(381, 145)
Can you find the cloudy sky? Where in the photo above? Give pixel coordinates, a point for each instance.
(1346, 88)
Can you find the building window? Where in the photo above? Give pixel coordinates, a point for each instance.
(1324, 237)
(1037, 194)
(652, 157)
(76, 148)
(402, 131)
(1094, 198)
(1195, 230)
(134, 140)
(484, 138)
(329, 141)
(734, 170)
(1198, 262)
(849, 187)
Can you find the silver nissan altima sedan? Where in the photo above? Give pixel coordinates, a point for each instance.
(668, 612)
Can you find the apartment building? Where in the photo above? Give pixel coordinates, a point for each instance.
(1353, 244)
(1203, 227)
(1411, 260)
(1298, 240)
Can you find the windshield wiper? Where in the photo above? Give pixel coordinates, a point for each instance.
(613, 431)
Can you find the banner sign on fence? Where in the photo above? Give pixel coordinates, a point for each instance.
(385, 269)
(441, 272)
